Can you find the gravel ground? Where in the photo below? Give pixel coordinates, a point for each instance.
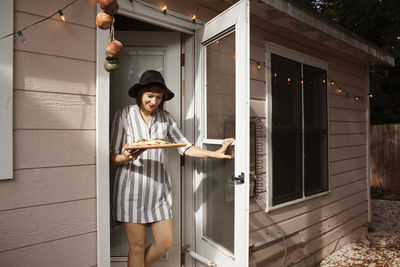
(381, 246)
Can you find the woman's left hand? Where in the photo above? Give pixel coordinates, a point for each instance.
(220, 153)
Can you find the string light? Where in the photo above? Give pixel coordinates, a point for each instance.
(193, 20)
(23, 40)
(61, 14)
(19, 32)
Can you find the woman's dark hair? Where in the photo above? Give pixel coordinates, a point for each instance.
(154, 88)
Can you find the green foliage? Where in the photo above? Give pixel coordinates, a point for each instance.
(377, 21)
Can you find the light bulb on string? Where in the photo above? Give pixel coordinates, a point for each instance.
(332, 83)
(301, 81)
(323, 81)
(339, 91)
(370, 95)
(20, 35)
(61, 14)
(194, 18)
(164, 9)
(258, 65)
(356, 98)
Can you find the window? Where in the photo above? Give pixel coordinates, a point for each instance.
(298, 127)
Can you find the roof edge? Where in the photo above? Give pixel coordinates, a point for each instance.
(331, 28)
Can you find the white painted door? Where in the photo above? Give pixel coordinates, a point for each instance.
(222, 92)
(159, 51)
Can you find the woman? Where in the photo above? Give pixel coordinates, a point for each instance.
(142, 189)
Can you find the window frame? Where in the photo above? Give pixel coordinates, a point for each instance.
(6, 102)
(272, 48)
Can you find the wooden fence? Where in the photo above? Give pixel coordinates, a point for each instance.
(385, 156)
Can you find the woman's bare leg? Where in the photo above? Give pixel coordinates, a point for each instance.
(163, 237)
(136, 234)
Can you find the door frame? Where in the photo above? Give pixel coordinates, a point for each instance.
(150, 15)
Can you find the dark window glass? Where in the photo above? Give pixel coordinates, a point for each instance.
(286, 129)
(315, 131)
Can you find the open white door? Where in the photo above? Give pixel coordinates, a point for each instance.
(222, 111)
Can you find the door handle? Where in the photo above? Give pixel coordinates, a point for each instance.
(239, 179)
(198, 257)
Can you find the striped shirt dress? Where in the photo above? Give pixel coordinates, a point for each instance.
(142, 188)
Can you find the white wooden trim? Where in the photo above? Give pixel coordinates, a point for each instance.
(6, 89)
(368, 156)
(188, 125)
(150, 15)
(102, 152)
(295, 55)
(102, 116)
(272, 48)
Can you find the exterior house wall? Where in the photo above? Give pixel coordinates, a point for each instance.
(313, 228)
(48, 211)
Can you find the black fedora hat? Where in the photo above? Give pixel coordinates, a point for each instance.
(147, 78)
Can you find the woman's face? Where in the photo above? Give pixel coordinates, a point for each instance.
(151, 100)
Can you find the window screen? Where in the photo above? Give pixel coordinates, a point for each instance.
(299, 130)
(286, 130)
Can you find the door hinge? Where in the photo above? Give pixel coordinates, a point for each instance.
(182, 60)
(182, 161)
(239, 179)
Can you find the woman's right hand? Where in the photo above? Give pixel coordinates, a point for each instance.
(130, 155)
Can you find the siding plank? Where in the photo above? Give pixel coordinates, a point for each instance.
(328, 238)
(337, 141)
(336, 114)
(56, 38)
(346, 127)
(344, 153)
(49, 148)
(347, 233)
(258, 89)
(348, 177)
(81, 12)
(347, 165)
(49, 185)
(59, 111)
(348, 80)
(34, 225)
(303, 221)
(77, 251)
(40, 72)
(340, 101)
(307, 235)
(261, 219)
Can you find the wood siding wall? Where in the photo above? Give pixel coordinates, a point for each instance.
(48, 211)
(385, 156)
(312, 228)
